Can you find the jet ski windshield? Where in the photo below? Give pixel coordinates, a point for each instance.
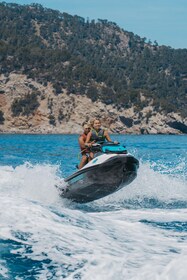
(109, 147)
(113, 148)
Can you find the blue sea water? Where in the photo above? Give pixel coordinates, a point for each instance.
(140, 232)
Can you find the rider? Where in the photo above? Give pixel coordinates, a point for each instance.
(97, 134)
(84, 150)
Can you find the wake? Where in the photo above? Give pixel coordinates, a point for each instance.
(151, 189)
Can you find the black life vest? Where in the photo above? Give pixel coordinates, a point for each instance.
(97, 136)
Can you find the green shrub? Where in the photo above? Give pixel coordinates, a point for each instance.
(25, 106)
(2, 119)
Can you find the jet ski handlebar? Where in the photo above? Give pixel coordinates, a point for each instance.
(97, 147)
(106, 143)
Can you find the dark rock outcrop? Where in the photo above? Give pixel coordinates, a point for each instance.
(179, 126)
(126, 121)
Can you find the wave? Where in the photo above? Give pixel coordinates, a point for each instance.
(151, 189)
(47, 237)
(32, 182)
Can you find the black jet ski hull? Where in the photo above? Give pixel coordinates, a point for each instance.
(99, 181)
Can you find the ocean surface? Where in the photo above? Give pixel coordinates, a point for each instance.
(140, 232)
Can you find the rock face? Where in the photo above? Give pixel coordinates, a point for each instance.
(64, 113)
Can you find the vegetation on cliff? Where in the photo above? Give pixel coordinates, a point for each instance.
(96, 58)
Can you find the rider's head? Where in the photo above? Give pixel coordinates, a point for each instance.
(86, 128)
(97, 124)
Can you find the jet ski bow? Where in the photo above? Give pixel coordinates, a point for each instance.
(111, 169)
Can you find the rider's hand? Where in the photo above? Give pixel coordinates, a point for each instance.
(88, 145)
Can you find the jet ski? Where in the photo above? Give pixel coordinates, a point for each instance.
(111, 169)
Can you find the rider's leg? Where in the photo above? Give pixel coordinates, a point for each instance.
(83, 162)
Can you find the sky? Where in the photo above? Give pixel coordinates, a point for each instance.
(164, 21)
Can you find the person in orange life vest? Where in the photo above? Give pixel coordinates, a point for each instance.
(84, 150)
(97, 134)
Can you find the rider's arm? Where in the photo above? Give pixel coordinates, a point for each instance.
(81, 142)
(107, 136)
(109, 139)
(88, 138)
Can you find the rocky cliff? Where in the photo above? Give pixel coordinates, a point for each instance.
(64, 113)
